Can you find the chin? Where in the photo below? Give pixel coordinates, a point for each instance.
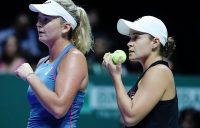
(42, 40)
(131, 57)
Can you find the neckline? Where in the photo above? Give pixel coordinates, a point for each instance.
(46, 61)
(134, 88)
(153, 64)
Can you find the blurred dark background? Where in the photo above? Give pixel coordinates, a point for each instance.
(181, 18)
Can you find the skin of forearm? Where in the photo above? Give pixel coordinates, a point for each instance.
(124, 102)
(47, 98)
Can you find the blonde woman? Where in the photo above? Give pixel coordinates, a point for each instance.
(57, 87)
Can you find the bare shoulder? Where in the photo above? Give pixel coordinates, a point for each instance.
(159, 75)
(159, 71)
(74, 58)
(76, 53)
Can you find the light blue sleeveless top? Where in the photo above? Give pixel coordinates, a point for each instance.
(39, 116)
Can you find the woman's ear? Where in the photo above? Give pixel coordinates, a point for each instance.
(155, 43)
(66, 28)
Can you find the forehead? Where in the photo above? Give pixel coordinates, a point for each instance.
(134, 32)
(137, 34)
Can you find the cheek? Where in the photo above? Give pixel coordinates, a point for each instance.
(146, 50)
(53, 32)
(143, 51)
(52, 28)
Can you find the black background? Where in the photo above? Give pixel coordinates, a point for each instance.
(181, 18)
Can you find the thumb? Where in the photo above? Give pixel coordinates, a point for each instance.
(119, 64)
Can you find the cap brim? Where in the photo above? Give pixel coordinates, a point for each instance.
(124, 27)
(42, 8)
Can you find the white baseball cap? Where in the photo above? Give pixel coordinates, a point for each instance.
(145, 24)
(52, 8)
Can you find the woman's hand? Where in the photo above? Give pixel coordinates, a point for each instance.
(24, 71)
(114, 70)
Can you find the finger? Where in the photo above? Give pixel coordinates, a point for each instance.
(26, 65)
(17, 73)
(120, 60)
(106, 55)
(110, 59)
(119, 64)
(103, 63)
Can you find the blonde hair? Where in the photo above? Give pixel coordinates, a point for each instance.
(81, 36)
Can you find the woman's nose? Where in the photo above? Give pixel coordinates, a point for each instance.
(38, 24)
(129, 44)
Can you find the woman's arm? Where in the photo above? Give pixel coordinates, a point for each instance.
(150, 91)
(71, 72)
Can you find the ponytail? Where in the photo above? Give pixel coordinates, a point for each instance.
(82, 36)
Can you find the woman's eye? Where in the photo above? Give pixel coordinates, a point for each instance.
(44, 20)
(134, 38)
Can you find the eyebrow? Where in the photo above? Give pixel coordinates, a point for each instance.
(137, 33)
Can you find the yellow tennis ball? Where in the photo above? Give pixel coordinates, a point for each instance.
(116, 55)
